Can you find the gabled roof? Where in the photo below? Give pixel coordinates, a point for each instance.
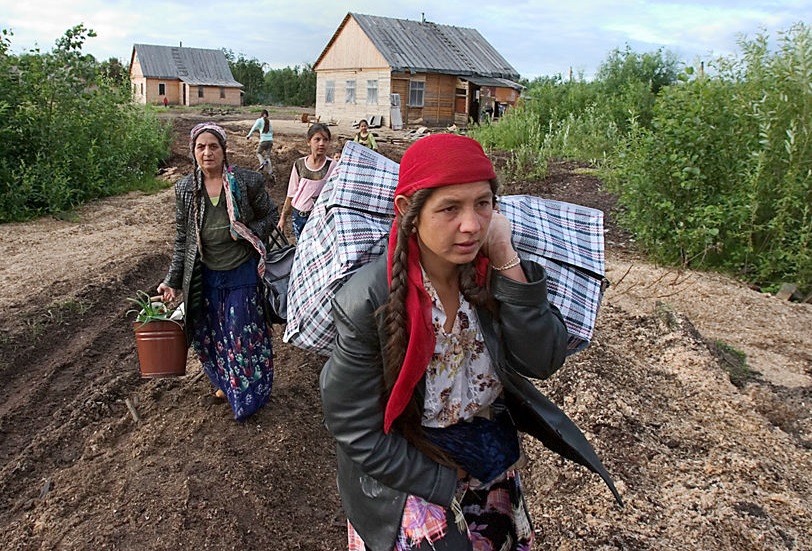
(426, 47)
(194, 66)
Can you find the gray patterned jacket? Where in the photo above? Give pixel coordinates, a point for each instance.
(257, 211)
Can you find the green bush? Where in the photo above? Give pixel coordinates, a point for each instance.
(583, 120)
(723, 176)
(69, 133)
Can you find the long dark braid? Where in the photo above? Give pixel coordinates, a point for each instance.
(267, 124)
(409, 423)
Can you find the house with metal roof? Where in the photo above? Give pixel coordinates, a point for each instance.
(174, 75)
(411, 72)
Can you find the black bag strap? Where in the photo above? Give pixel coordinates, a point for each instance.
(277, 239)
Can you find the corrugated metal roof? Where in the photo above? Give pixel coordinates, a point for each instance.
(497, 82)
(426, 47)
(195, 66)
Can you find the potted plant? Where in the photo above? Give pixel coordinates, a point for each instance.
(159, 338)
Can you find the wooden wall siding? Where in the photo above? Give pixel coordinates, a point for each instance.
(438, 98)
(211, 96)
(138, 82)
(152, 87)
(506, 95)
(174, 93)
(339, 110)
(400, 85)
(352, 49)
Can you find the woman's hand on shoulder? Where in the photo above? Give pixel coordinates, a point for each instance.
(498, 246)
(499, 249)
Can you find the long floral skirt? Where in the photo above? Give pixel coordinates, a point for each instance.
(497, 519)
(233, 339)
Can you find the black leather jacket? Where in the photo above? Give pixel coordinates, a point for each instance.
(377, 471)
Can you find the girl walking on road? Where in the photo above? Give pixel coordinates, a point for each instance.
(263, 127)
(307, 178)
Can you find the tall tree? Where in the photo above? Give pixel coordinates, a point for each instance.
(249, 73)
(292, 85)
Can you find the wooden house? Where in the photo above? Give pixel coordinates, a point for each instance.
(412, 72)
(182, 76)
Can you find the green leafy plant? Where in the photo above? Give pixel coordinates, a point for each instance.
(148, 309)
(65, 97)
(722, 176)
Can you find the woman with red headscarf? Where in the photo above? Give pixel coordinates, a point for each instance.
(432, 340)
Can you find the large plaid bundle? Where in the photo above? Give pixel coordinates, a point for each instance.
(350, 224)
(343, 232)
(567, 240)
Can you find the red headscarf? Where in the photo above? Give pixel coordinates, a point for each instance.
(434, 161)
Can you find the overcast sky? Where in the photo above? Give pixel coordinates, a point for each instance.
(537, 37)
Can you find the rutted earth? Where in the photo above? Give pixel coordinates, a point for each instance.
(701, 463)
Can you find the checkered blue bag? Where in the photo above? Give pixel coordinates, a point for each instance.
(350, 223)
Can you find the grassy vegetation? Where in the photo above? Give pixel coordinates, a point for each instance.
(69, 133)
(734, 362)
(712, 169)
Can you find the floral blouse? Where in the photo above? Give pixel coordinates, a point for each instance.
(460, 379)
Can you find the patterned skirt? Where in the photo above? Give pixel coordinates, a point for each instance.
(497, 520)
(232, 338)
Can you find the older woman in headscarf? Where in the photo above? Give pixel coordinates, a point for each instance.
(223, 218)
(429, 338)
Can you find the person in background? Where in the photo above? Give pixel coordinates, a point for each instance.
(364, 136)
(430, 336)
(307, 178)
(223, 215)
(265, 130)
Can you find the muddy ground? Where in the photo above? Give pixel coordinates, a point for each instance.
(701, 463)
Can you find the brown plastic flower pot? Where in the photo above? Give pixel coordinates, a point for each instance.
(161, 348)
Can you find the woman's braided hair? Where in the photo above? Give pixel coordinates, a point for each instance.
(394, 314)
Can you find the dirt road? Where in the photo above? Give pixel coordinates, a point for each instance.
(702, 464)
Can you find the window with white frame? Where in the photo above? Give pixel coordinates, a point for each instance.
(417, 89)
(329, 91)
(372, 92)
(350, 92)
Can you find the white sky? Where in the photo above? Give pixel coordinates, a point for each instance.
(537, 37)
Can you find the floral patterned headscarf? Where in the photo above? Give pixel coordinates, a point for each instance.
(210, 127)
